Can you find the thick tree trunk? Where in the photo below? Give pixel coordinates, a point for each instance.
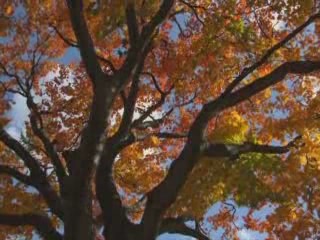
(78, 224)
(117, 233)
(126, 232)
(151, 223)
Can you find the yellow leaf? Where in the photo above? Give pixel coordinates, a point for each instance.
(303, 160)
(9, 10)
(293, 215)
(155, 140)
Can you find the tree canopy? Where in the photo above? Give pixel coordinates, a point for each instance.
(141, 115)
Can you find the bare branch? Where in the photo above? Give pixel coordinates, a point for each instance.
(11, 90)
(154, 123)
(67, 41)
(36, 58)
(260, 25)
(188, 101)
(154, 82)
(193, 9)
(136, 123)
(37, 128)
(74, 44)
(182, 32)
(12, 75)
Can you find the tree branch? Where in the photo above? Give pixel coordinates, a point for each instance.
(113, 212)
(193, 9)
(37, 128)
(130, 102)
(6, 72)
(72, 43)
(234, 150)
(170, 135)
(38, 177)
(162, 196)
(4, 169)
(85, 42)
(136, 52)
(14, 145)
(129, 106)
(41, 223)
(154, 80)
(260, 84)
(154, 123)
(134, 137)
(162, 13)
(105, 90)
(248, 70)
(138, 122)
(132, 23)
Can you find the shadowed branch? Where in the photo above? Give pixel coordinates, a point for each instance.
(37, 176)
(41, 223)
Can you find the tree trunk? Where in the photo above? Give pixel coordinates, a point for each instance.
(125, 232)
(78, 224)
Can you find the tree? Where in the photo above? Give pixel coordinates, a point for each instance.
(172, 106)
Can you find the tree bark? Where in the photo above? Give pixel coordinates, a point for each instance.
(78, 224)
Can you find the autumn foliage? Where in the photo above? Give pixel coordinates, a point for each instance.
(142, 115)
